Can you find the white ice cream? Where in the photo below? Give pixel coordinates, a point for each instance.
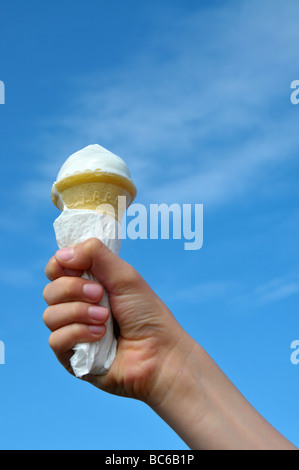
(94, 157)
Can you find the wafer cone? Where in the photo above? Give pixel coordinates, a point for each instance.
(96, 191)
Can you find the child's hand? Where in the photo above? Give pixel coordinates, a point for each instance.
(149, 334)
(156, 360)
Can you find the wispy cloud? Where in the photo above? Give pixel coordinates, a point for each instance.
(205, 110)
(277, 289)
(205, 292)
(23, 277)
(236, 294)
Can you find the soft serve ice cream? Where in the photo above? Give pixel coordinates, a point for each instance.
(93, 164)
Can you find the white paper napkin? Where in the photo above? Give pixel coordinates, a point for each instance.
(75, 226)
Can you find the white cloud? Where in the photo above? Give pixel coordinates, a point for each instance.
(237, 294)
(23, 277)
(202, 114)
(205, 291)
(277, 289)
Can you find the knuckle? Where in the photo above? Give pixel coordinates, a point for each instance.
(47, 317)
(53, 270)
(67, 290)
(46, 293)
(132, 276)
(49, 269)
(76, 311)
(70, 286)
(92, 246)
(53, 342)
(77, 331)
(130, 281)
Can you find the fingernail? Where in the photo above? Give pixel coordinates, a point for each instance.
(98, 313)
(92, 291)
(65, 254)
(97, 330)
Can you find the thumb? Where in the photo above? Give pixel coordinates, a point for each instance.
(92, 255)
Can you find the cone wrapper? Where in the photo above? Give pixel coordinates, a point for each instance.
(73, 227)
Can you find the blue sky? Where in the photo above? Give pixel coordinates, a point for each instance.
(195, 96)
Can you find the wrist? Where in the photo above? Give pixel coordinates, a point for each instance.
(179, 397)
(206, 410)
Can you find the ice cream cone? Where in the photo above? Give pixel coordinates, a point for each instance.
(93, 190)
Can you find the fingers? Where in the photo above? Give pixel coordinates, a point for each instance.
(73, 315)
(68, 289)
(115, 274)
(72, 323)
(54, 270)
(64, 339)
(57, 316)
(94, 256)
